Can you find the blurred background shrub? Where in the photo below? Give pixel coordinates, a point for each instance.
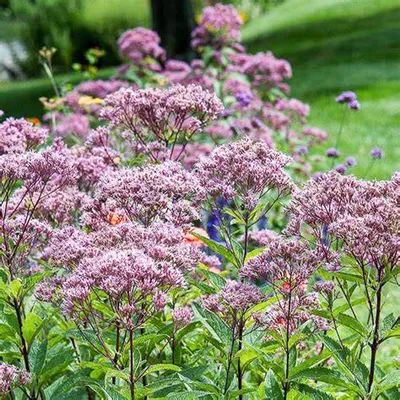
(72, 27)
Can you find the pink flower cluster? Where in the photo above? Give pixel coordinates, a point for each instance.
(140, 43)
(244, 169)
(286, 266)
(11, 377)
(234, 300)
(219, 26)
(363, 215)
(101, 88)
(155, 192)
(19, 135)
(168, 116)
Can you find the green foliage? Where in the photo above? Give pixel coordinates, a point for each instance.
(72, 27)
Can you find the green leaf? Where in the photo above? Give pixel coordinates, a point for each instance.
(349, 277)
(15, 287)
(214, 324)
(162, 367)
(392, 380)
(112, 372)
(31, 325)
(217, 247)
(342, 357)
(321, 374)
(254, 253)
(346, 306)
(246, 356)
(217, 280)
(312, 392)
(388, 324)
(37, 356)
(296, 338)
(309, 363)
(272, 387)
(351, 323)
(188, 395)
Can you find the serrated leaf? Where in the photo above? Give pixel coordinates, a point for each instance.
(217, 280)
(321, 374)
(312, 392)
(309, 363)
(392, 380)
(272, 387)
(37, 356)
(216, 247)
(214, 324)
(351, 323)
(161, 367)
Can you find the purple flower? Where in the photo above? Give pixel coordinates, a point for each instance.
(303, 150)
(139, 43)
(162, 116)
(11, 377)
(182, 316)
(219, 26)
(73, 124)
(333, 153)
(341, 168)
(317, 176)
(244, 98)
(354, 105)
(101, 88)
(19, 135)
(350, 161)
(376, 153)
(324, 287)
(346, 97)
(244, 169)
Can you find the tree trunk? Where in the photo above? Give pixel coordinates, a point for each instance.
(173, 20)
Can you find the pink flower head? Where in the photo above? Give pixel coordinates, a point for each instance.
(167, 116)
(73, 124)
(101, 88)
(219, 26)
(182, 316)
(152, 192)
(139, 43)
(19, 135)
(245, 169)
(11, 377)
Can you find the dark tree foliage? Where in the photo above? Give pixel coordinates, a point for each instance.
(173, 20)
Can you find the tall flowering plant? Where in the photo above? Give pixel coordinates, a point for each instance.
(353, 224)
(110, 286)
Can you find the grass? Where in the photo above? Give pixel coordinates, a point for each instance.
(337, 45)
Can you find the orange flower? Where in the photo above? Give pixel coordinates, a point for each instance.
(190, 238)
(286, 286)
(214, 269)
(34, 120)
(116, 218)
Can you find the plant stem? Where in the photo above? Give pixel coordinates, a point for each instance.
(24, 349)
(114, 379)
(239, 367)
(375, 341)
(286, 386)
(131, 366)
(144, 379)
(228, 369)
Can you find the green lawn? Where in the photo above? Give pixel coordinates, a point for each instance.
(337, 45)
